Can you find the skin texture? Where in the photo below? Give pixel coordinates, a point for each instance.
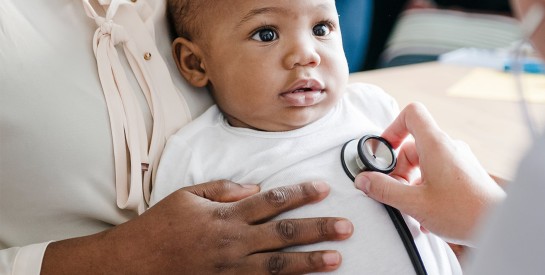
(454, 190)
(167, 239)
(255, 81)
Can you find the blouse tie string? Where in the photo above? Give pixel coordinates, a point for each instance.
(136, 156)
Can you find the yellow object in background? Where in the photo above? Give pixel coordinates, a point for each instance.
(484, 83)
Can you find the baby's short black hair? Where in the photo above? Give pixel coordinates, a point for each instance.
(187, 16)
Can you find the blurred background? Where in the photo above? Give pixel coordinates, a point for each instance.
(386, 33)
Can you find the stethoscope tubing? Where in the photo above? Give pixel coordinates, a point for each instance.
(397, 219)
(407, 239)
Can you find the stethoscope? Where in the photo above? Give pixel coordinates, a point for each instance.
(374, 153)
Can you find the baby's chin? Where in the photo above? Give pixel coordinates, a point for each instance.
(270, 126)
(296, 120)
(282, 119)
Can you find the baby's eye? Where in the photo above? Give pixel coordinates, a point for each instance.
(321, 29)
(265, 35)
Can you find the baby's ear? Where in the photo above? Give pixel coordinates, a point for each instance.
(188, 59)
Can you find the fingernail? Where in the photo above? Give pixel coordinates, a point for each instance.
(362, 183)
(343, 227)
(331, 258)
(321, 187)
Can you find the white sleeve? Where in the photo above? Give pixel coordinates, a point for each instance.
(24, 260)
(511, 239)
(174, 169)
(184, 161)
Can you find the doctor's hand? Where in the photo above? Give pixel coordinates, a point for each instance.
(453, 190)
(217, 227)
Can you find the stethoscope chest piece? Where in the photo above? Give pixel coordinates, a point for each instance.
(374, 153)
(369, 153)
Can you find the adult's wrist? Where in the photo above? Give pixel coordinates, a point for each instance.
(82, 255)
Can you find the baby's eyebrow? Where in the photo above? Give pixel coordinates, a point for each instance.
(256, 12)
(270, 10)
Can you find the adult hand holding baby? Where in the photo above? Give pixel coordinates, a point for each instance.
(169, 237)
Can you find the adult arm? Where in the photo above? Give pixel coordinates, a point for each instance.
(208, 228)
(453, 191)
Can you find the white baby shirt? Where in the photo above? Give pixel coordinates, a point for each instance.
(210, 149)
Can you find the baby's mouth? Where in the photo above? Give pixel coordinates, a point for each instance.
(304, 93)
(303, 97)
(301, 90)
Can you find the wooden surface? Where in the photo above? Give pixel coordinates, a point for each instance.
(495, 130)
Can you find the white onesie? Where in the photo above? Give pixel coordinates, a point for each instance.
(210, 149)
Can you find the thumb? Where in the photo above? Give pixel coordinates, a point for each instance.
(222, 190)
(387, 190)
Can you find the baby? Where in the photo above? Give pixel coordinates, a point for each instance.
(277, 72)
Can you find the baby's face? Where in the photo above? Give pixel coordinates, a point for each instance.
(275, 65)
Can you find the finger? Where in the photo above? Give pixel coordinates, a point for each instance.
(290, 232)
(293, 262)
(414, 119)
(407, 161)
(409, 153)
(388, 190)
(222, 190)
(267, 205)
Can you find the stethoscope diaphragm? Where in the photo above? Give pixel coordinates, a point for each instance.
(369, 153)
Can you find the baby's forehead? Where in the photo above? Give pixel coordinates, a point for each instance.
(228, 10)
(215, 13)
